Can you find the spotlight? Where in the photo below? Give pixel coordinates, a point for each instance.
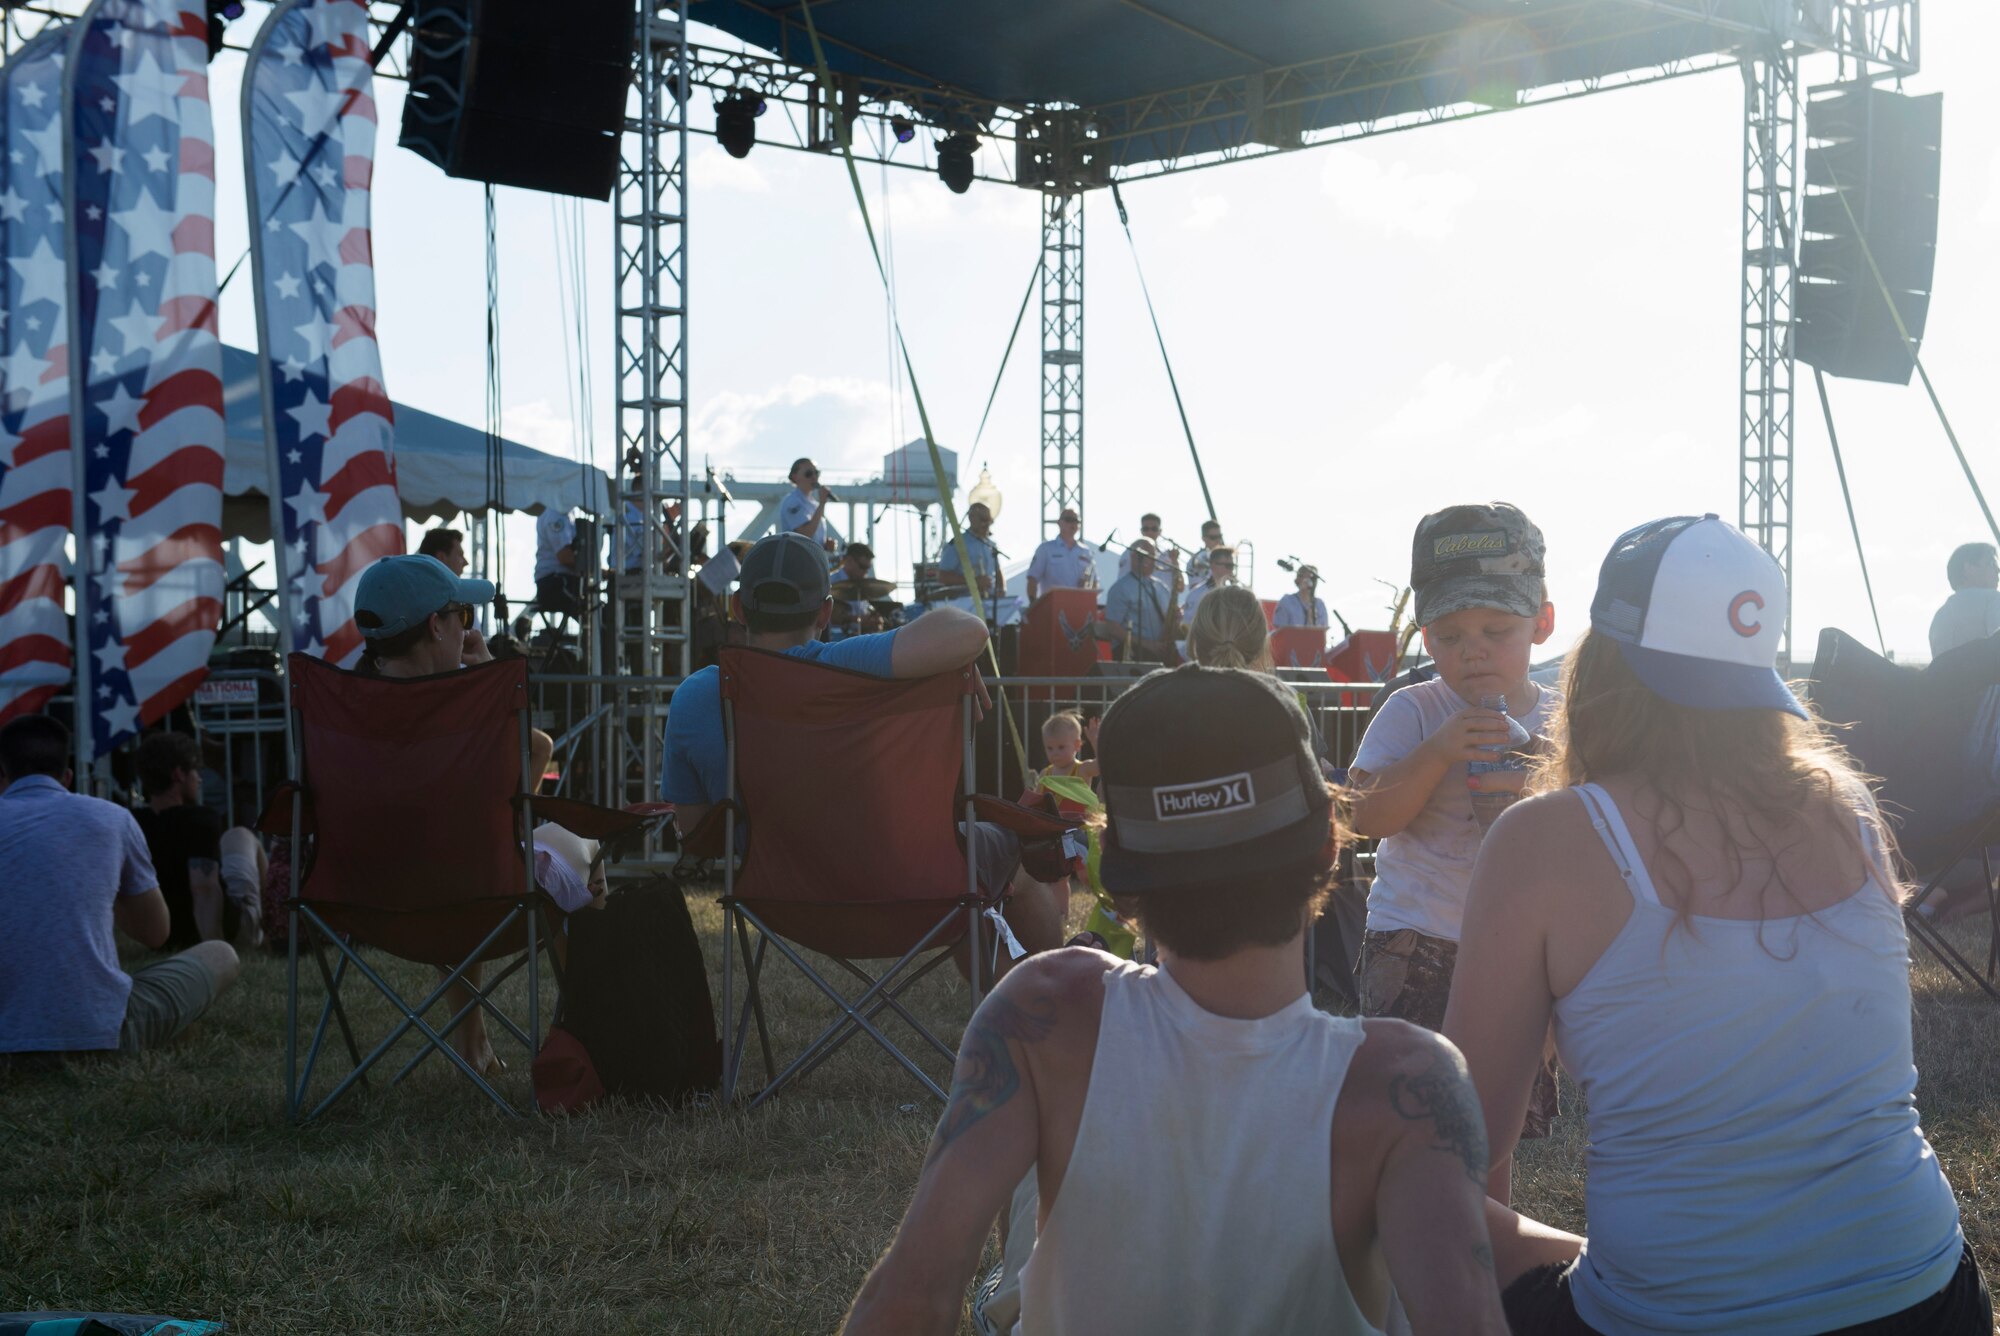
(903, 129)
(220, 12)
(736, 123)
(955, 161)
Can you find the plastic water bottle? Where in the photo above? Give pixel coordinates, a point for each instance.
(1486, 804)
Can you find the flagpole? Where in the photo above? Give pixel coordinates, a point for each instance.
(83, 569)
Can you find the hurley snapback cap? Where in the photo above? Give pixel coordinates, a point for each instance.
(1208, 775)
(1698, 611)
(1477, 557)
(397, 593)
(784, 580)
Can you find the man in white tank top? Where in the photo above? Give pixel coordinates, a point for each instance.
(1211, 1153)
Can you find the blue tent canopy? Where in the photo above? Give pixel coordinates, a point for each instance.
(440, 464)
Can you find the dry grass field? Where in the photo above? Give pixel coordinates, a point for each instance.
(173, 1184)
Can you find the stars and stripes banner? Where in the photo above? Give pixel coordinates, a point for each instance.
(146, 420)
(35, 470)
(309, 166)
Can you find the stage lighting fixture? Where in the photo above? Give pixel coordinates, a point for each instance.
(736, 122)
(903, 129)
(955, 161)
(220, 12)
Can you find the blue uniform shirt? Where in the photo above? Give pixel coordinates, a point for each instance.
(985, 561)
(1140, 605)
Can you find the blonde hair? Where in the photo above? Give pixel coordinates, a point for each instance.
(1229, 631)
(1063, 721)
(1760, 769)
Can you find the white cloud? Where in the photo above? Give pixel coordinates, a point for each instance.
(1989, 212)
(1394, 198)
(1206, 212)
(712, 169)
(841, 421)
(1449, 400)
(537, 423)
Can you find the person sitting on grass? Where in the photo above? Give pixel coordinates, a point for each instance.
(210, 876)
(1708, 908)
(1209, 1152)
(75, 869)
(784, 597)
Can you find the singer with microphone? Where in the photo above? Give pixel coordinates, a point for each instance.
(980, 549)
(804, 510)
(1064, 562)
(1303, 608)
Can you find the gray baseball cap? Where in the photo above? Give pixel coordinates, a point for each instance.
(784, 581)
(396, 593)
(1486, 556)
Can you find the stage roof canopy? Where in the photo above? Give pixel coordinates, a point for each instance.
(1175, 78)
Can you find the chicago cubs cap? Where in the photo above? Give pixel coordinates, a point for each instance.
(396, 593)
(1698, 611)
(1208, 776)
(1486, 556)
(784, 580)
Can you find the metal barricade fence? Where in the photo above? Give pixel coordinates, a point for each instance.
(244, 708)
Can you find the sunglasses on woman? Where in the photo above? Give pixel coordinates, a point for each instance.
(463, 611)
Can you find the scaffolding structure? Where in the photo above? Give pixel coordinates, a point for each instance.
(1062, 355)
(1770, 281)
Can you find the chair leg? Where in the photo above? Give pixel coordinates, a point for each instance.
(534, 913)
(292, 1014)
(332, 982)
(753, 971)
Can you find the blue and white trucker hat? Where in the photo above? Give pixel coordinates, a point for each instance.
(1698, 611)
(1208, 775)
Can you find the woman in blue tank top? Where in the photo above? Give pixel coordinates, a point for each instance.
(1706, 912)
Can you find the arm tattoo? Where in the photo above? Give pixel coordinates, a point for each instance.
(986, 1077)
(1483, 1254)
(1442, 1095)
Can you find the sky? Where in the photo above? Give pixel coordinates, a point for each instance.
(1539, 307)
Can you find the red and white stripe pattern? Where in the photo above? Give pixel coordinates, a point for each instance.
(146, 403)
(311, 122)
(35, 467)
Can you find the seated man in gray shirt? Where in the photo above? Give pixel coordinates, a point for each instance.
(77, 868)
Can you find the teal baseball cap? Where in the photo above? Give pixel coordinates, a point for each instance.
(397, 593)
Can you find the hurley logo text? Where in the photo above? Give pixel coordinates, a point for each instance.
(1227, 794)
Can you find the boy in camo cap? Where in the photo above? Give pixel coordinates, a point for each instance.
(1477, 577)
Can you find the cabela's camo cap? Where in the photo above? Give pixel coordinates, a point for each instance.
(1486, 556)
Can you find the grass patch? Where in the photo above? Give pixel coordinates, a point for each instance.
(173, 1183)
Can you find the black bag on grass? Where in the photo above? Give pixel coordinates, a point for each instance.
(635, 995)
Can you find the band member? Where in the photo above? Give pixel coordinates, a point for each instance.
(1142, 618)
(979, 548)
(851, 611)
(1221, 571)
(1303, 608)
(804, 510)
(1063, 562)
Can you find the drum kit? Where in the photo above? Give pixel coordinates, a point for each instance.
(863, 607)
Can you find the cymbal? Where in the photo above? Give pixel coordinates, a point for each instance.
(864, 591)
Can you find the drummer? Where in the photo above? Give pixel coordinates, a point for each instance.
(984, 556)
(857, 565)
(1064, 562)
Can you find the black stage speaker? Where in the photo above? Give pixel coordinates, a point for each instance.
(521, 93)
(1881, 147)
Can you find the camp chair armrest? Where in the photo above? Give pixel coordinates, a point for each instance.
(1026, 822)
(586, 819)
(708, 839)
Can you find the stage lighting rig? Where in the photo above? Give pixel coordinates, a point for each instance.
(954, 166)
(903, 128)
(220, 12)
(736, 122)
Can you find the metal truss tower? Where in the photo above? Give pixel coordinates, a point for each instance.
(1770, 208)
(1062, 355)
(651, 614)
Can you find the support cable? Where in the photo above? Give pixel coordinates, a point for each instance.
(496, 471)
(1125, 222)
(1910, 344)
(843, 133)
(1034, 281)
(1826, 409)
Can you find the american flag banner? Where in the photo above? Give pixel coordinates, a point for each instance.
(328, 424)
(35, 470)
(146, 398)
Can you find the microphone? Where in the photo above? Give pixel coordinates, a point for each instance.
(830, 497)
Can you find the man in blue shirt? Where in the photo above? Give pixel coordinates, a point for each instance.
(1063, 562)
(1139, 611)
(979, 547)
(784, 599)
(76, 869)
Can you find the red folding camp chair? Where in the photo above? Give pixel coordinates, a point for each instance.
(406, 823)
(847, 782)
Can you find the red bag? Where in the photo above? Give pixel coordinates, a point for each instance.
(565, 1078)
